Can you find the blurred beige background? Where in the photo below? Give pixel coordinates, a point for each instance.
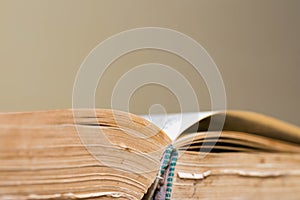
(255, 44)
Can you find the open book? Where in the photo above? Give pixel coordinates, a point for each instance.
(105, 154)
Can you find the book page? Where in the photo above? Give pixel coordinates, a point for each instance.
(174, 124)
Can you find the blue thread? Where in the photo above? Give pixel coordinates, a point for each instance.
(169, 159)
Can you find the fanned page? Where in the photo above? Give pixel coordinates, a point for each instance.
(251, 123)
(174, 124)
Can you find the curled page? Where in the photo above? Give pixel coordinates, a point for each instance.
(174, 124)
